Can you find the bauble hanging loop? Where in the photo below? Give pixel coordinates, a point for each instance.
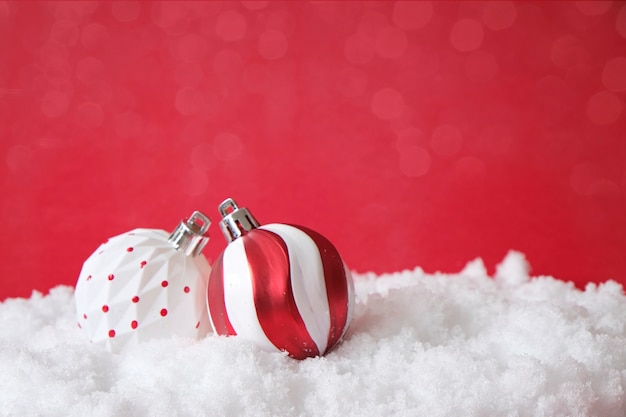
(284, 287)
(146, 284)
(189, 235)
(236, 221)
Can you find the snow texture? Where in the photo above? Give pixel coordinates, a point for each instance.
(420, 345)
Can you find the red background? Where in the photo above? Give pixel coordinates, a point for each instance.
(408, 133)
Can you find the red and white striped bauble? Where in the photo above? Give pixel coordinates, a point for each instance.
(283, 287)
(145, 284)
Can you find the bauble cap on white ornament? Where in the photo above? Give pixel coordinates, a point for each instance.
(146, 284)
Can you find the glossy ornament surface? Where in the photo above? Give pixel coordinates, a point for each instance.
(145, 284)
(283, 287)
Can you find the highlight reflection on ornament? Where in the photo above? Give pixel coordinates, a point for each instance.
(281, 286)
(146, 284)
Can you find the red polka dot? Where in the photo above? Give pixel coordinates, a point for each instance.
(129, 249)
(105, 308)
(135, 299)
(186, 289)
(197, 325)
(89, 278)
(79, 326)
(164, 284)
(111, 333)
(143, 263)
(164, 312)
(111, 276)
(85, 316)
(133, 324)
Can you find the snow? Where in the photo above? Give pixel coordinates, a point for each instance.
(459, 344)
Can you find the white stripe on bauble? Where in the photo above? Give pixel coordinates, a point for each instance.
(307, 281)
(238, 295)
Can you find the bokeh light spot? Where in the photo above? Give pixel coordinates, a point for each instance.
(94, 35)
(583, 177)
(407, 137)
(273, 44)
(391, 42)
(587, 179)
(89, 115)
(54, 103)
(227, 62)
(604, 108)
(359, 49)
(371, 23)
(227, 146)
(19, 158)
(280, 20)
(231, 26)
(614, 74)
(198, 158)
(254, 4)
(466, 35)
(204, 9)
(412, 15)
(171, 16)
(499, 15)
(568, 51)
(593, 8)
(5, 11)
(194, 183)
(125, 11)
(620, 22)
(190, 101)
(191, 47)
(387, 104)
(64, 32)
(74, 11)
(414, 161)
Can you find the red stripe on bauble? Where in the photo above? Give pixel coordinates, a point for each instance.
(216, 302)
(336, 285)
(276, 307)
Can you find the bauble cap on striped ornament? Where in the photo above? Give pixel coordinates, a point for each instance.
(236, 221)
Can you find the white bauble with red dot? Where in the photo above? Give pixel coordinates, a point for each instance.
(145, 284)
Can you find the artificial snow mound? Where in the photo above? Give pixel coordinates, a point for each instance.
(420, 345)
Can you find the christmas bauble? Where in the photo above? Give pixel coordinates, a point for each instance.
(281, 286)
(145, 284)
